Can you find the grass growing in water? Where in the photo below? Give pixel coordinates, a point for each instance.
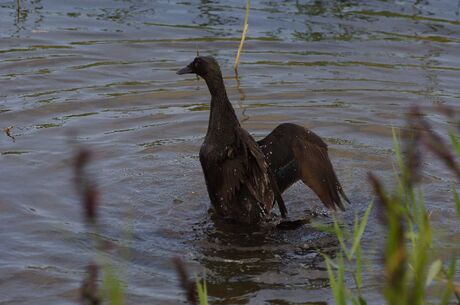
(410, 268)
(202, 291)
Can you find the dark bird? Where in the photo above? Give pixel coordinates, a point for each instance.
(244, 177)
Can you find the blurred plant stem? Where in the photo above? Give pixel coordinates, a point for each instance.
(18, 9)
(112, 290)
(195, 291)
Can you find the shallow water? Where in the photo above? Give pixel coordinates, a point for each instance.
(104, 72)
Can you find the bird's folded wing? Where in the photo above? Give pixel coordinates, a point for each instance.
(259, 178)
(242, 164)
(229, 172)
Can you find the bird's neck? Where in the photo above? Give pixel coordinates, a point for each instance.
(222, 118)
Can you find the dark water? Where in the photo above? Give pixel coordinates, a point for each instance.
(105, 72)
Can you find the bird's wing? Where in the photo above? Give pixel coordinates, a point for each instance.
(243, 164)
(259, 178)
(316, 170)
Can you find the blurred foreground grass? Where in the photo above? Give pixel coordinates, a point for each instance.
(410, 265)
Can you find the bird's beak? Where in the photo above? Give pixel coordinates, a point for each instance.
(185, 70)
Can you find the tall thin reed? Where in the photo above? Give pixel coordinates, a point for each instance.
(243, 37)
(18, 8)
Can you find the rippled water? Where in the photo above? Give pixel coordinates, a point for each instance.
(105, 72)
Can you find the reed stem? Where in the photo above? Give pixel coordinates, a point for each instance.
(243, 37)
(18, 7)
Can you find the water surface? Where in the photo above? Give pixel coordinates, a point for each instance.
(103, 72)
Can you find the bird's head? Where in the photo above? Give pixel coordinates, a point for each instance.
(203, 66)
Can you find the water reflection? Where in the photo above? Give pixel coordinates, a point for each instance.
(210, 14)
(242, 96)
(316, 8)
(26, 10)
(242, 261)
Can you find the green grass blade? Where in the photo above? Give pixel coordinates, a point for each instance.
(360, 232)
(337, 285)
(456, 201)
(331, 276)
(341, 282)
(448, 290)
(455, 142)
(433, 271)
(113, 288)
(202, 292)
(397, 149)
(358, 275)
(339, 234)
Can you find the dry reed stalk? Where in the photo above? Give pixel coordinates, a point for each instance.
(243, 37)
